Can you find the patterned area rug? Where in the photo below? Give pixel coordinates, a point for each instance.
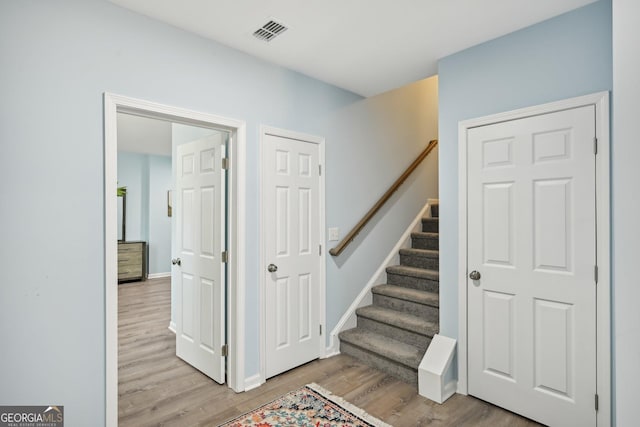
(310, 406)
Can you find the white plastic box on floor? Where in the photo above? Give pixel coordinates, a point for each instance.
(434, 367)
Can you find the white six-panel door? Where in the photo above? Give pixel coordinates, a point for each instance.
(291, 205)
(531, 237)
(198, 271)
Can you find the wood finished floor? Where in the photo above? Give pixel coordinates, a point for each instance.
(156, 388)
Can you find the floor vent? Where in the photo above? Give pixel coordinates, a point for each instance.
(269, 31)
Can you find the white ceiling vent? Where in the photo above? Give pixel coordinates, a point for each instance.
(269, 31)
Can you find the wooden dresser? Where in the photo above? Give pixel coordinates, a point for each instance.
(132, 261)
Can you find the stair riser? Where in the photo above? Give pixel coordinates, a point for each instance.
(425, 243)
(413, 282)
(420, 262)
(423, 311)
(395, 369)
(430, 226)
(418, 340)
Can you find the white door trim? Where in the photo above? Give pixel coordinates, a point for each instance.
(601, 102)
(268, 130)
(236, 227)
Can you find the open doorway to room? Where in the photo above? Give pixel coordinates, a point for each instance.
(173, 178)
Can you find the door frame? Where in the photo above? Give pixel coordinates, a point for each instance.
(320, 141)
(236, 195)
(603, 289)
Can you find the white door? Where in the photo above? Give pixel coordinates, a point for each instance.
(291, 201)
(198, 270)
(532, 228)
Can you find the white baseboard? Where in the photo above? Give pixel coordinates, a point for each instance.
(172, 327)
(330, 352)
(364, 298)
(253, 382)
(158, 275)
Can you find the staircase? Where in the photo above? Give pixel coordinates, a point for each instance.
(393, 334)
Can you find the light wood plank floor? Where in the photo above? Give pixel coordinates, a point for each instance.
(157, 388)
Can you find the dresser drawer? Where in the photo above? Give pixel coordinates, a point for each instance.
(132, 261)
(126, 248)
(130, 272)
(129, 258)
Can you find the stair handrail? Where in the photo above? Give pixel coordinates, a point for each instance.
(385, 197)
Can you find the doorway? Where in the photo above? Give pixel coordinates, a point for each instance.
(534, 261)
(292, 257)
(114, 104)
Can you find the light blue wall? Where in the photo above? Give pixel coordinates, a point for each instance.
(58, 58)
(159, 236)
(133, 173)
(147, 178)
(566, 56)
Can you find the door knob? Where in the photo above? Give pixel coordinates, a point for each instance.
(176, 261)
(272, 268)
(474, 275)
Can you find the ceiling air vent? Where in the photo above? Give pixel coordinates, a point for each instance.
(269, 31)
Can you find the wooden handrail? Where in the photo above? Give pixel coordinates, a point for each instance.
(386, 196)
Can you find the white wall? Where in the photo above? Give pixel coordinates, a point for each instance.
(626, 205)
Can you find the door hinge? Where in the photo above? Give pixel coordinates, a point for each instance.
(320, 170)
(595, 273)
(225, 256)
(225, 163)
(595, 145)
(320, 250)
(596, 402)
(225, 350)
(320, 329)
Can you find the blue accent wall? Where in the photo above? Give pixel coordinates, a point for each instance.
(148, 178)
(563, 57)
(58, 58)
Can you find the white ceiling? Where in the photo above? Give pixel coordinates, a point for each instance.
(365, 46)
(143, 135)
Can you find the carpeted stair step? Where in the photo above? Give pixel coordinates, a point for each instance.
(412, 301)
(391, 356)
(430, 225)
(435, 210)
(424, 241)
(420, 258)
(414, 278)
(400, 326)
